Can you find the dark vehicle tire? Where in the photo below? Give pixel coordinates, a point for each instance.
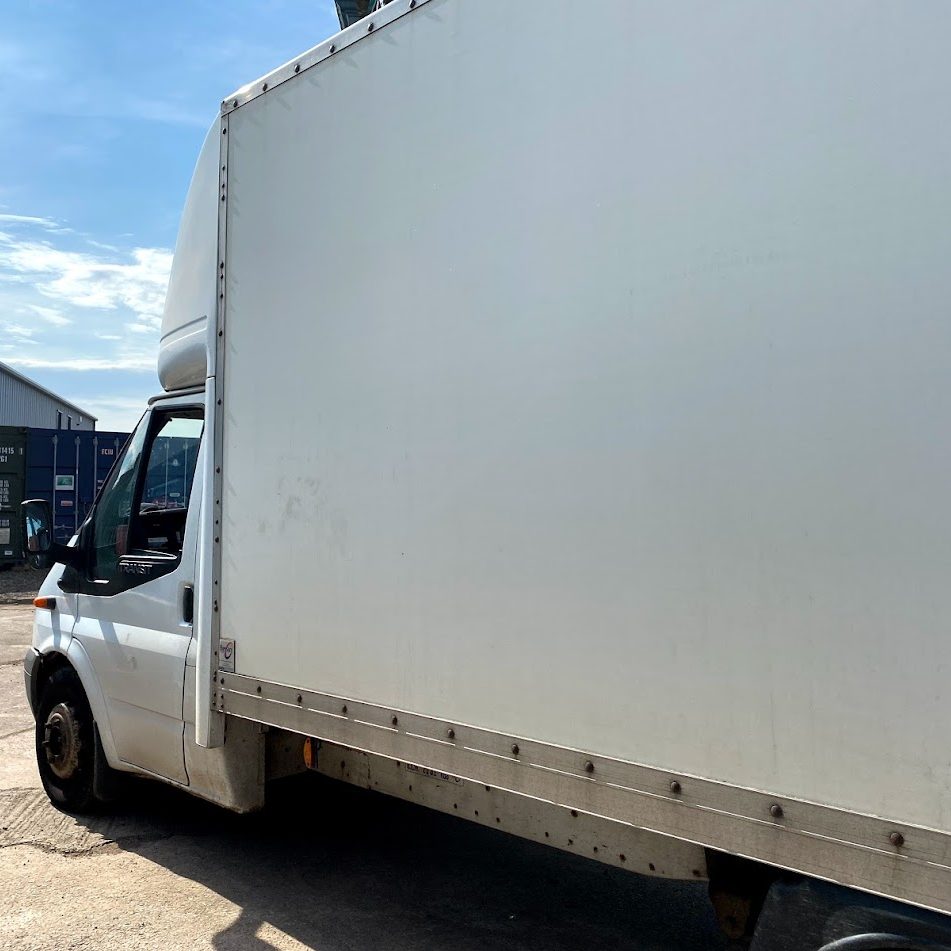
(66, 742)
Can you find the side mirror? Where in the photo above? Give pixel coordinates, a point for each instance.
(41, 550)
(37, 530)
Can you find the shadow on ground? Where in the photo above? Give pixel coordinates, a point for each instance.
(337, 867)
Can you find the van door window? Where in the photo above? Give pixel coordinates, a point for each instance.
(142, 509)
(169, 476)
(111, 517)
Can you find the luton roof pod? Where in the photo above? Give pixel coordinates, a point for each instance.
(189, 314)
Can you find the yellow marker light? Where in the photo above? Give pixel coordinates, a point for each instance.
(309, 758)
(48, 603)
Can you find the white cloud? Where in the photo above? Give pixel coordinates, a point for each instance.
(83, 364)
(50, 315)
(48, 223)
(17, 330)
(92, 308)
(87, 280)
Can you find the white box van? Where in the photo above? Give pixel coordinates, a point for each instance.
(555, 433)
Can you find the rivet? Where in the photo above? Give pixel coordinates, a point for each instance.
(300, 699)
(515, 749)
(219, 403)
(394, 721)
(369, 28)
(259, 688)
(264, 88)
(221, 333)
(776, 810)
(297, 68)
(224, 131)
(675, 787)
(897, 839)
(343, 709)
(589, 767)
(451, 733)
(574, 813)
(333, 49)
(412, 3)
(217, 468)
(235, 103)
(222, 197)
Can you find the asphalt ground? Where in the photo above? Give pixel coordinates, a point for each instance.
(325, 866)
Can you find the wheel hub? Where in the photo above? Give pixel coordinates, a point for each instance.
(61, 741)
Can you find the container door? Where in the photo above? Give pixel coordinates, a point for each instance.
(11, 494)
(134, 599)
(12, 470)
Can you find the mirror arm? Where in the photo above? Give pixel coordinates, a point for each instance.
(64, 555)
(57, 554)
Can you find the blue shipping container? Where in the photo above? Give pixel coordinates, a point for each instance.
(67, 468)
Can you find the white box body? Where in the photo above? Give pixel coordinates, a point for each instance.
(589, 380)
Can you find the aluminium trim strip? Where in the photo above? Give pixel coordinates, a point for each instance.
(320, 53)
(209, 724)
(908, 863)
(618, 844)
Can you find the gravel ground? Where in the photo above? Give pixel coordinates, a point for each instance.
(19, 584)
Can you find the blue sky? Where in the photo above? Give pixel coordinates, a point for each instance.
(104, 107)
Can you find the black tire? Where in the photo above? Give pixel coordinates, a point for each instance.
(66, 743)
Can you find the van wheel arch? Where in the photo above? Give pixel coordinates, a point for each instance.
(63, 715)
(46, 666)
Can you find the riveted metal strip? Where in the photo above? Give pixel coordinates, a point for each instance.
(215, 734)
(909, 863)
(224, 169)
(322, 52)
(613, 843)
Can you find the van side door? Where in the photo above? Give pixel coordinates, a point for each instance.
(134, 594)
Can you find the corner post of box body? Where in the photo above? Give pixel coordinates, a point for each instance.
(209, 721)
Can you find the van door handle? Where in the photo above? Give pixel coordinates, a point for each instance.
(188, 603)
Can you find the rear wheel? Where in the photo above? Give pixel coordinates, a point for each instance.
(66, 743)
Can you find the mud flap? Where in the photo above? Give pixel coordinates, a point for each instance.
(105, 780)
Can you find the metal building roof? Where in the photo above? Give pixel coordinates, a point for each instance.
(4, 368)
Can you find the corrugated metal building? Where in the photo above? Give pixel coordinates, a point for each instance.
(25, 403)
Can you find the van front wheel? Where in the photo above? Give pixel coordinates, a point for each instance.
(66, 743)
